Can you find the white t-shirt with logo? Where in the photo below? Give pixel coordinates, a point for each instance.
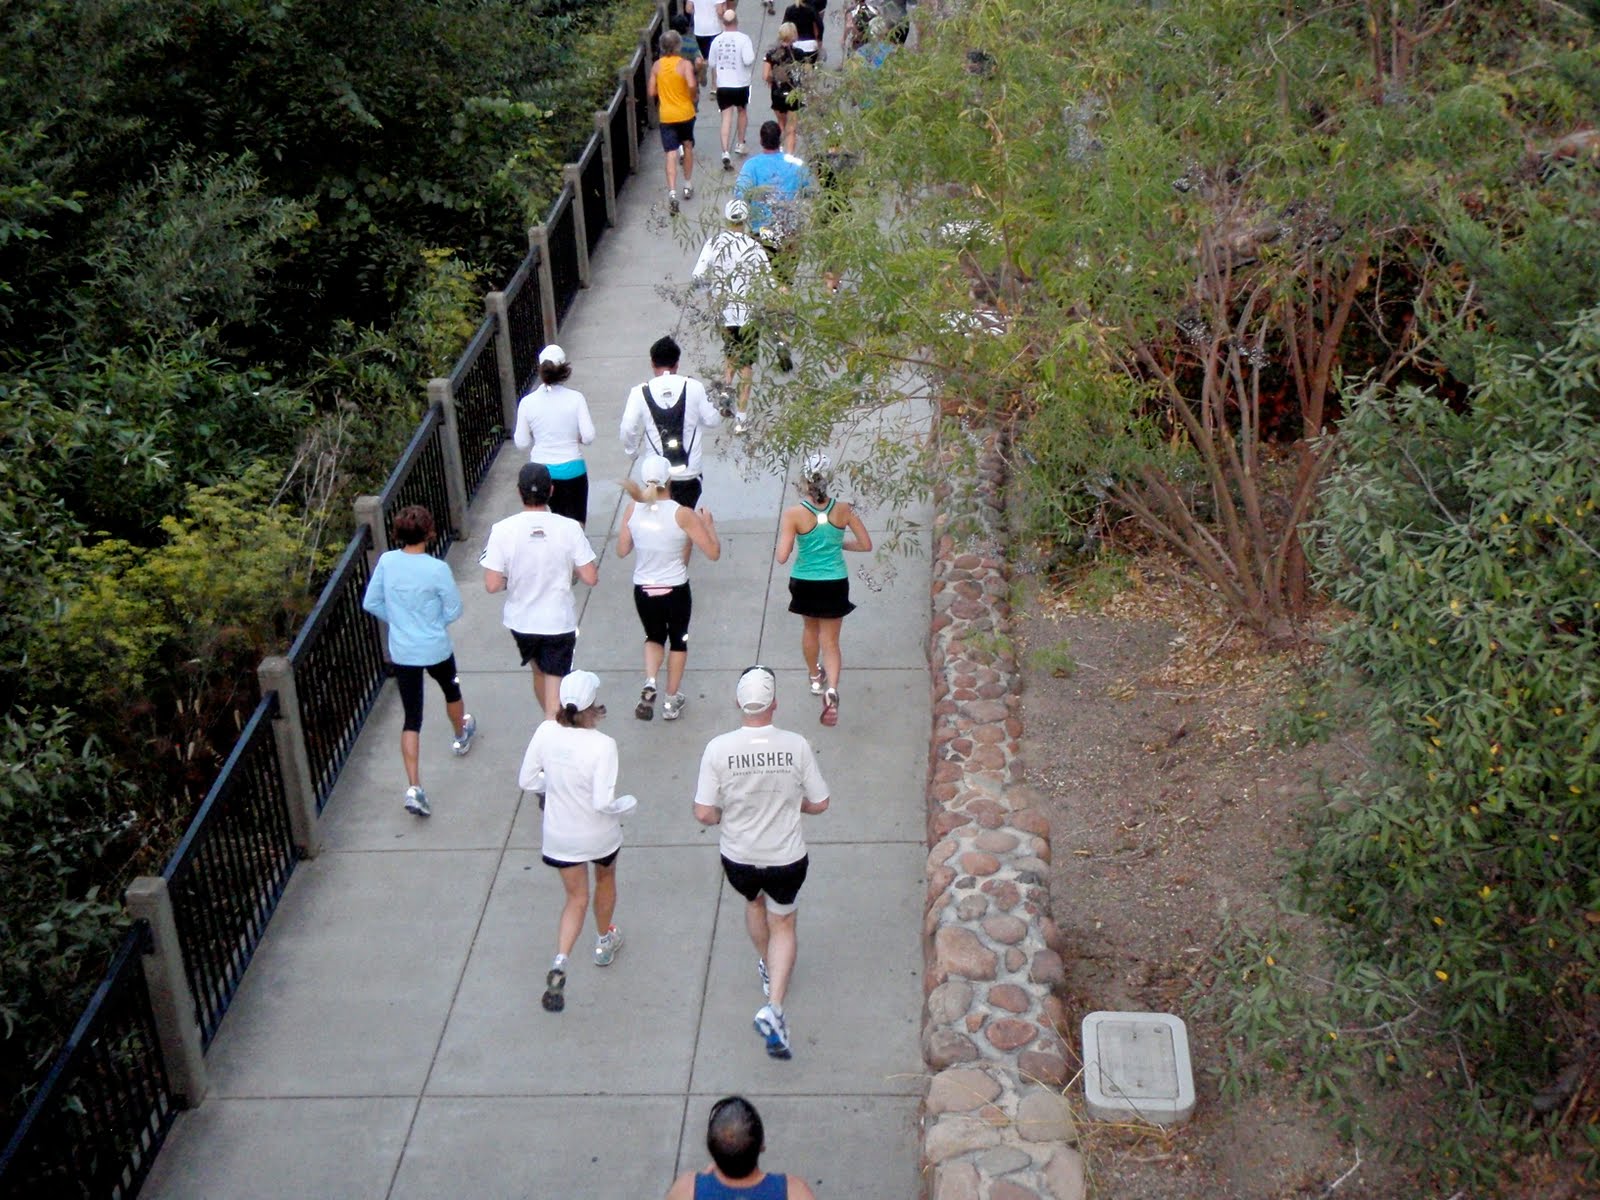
(582, 811)
(537, 551)
(732, 57)
(758, 777)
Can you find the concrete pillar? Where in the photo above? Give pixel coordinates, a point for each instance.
(573, 174)
(646, 49)
(288, 734)
(369, 512)
(495, 305)
(539, 239)
(171, 1001)
(455, 474)
(608, 158)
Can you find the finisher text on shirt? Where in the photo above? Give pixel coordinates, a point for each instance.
(760, 759)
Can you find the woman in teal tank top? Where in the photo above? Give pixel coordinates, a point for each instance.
(818, 532)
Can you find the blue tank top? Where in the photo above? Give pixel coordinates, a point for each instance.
(772, 1187)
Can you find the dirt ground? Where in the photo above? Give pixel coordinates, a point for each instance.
(1168, 812)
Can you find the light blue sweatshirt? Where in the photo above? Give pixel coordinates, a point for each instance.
(418, 596)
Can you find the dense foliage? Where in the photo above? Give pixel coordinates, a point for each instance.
(235, 240)
(1247, 273)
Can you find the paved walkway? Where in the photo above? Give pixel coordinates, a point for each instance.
(388, 1039)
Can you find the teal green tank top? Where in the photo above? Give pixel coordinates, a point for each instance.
(820, 553)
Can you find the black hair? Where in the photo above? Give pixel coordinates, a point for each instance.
(681, 23)
(554, 373)
(771, 135)
(665, 352)
(735, 1137)
(413, 525)
(537, 492)
(567, 715)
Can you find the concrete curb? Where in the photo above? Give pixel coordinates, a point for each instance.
(995, 1125)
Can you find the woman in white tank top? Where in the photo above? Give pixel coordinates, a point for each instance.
(665, 534)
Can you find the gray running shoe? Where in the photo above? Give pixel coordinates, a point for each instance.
(417, 802)
(672, 203)
(672, 707)
(739, 149)
(555, 983)
(645, 709)
(775, 1029)
(606, 946)
(463, 743)
(688, 190)
(727, 163)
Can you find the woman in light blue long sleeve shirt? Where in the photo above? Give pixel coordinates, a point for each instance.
(416, 594)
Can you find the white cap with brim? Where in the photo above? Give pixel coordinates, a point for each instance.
(654, 470)
(579, 690)
(757, 690)
(553, 354)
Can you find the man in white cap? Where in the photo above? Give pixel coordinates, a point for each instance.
(667, 413)
(730, 262)
(757, 782)
(732, 57)
(533, 557)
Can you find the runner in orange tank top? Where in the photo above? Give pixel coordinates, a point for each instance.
(673, 83)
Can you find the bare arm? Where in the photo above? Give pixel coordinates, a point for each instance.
(625, 535)
(493, 581)
(650, 84)
(683, 1187)
(690, 78)
(702, 530)
(857, 537)
(786, 535)
(707, 814)
(812, 807)
(588, 573)
(799, 1189)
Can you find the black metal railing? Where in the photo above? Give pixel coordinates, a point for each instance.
(624, 145)
(228, 873)
(525, 315)
(480, 420)
(592, 183)
(338, 663)
(641, 80)
(419, 478)
(103, 1111)
(562, 227)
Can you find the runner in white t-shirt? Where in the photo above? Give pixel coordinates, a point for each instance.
(532, 557)
(573, 766)
(757, 782)
(732, 57)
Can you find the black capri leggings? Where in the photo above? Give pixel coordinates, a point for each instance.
(410, 681)
(570, 498)
(665, 618)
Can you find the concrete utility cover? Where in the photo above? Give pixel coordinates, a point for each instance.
(1137, 1065)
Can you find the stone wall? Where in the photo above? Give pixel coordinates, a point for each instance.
(995, 1125)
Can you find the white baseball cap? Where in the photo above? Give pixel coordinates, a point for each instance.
(579, 689)
(654, 470)
(757, 690)
(553, 354)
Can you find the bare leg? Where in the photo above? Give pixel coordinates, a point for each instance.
(783, 120)
(672, 170)
(744, 124)
(576, 882)
(745, 375)
(410, 745)
(810, 642)
(675, 663)
(832, 659)
(654, 652)
(783, 947)
(605, 896)
(457, 711)
(547, 690)
(727, 128)
(688, 163)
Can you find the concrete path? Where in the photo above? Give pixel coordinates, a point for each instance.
(388, 1039)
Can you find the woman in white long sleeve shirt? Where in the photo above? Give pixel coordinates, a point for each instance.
(575, 766)
(553, 425)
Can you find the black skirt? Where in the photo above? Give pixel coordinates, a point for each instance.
(825, 598)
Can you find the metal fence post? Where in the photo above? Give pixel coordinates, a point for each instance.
(539, 239)
(602, 126)
(171, 1002)
(289, 735)
(573, 174)
(369, 512)
(494, 303)
(455, 474)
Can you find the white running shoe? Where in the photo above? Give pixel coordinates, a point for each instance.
(766, 980)
(771, 1025)
(417, 802)
(463, 743)
(672, 707)
(606, 946)
(688, 190)
(672, 203)
(739, 149)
